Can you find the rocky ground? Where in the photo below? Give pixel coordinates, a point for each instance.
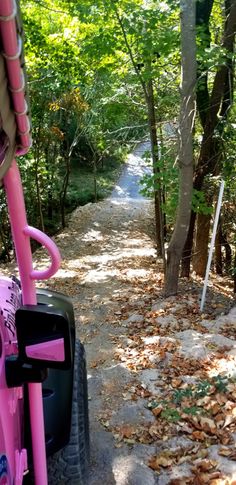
(162, 380)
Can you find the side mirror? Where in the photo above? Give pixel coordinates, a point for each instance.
(44, 337)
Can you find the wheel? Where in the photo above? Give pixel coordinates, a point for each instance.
(70, 465)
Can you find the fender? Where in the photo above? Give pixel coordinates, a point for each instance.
(13, 458)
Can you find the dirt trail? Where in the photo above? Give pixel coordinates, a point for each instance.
(104, 246)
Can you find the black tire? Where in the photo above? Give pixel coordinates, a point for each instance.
(70, 465)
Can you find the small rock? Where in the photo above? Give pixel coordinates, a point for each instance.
(158, 306)
(168, 320)
(135, 318)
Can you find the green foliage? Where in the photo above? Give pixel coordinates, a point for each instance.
(220, 383)
(86, 98)
(88, 105)
(199, 204)
(193, 410)
(173, 409)
(202, 389)
(180, 394)
(166, 177)
(170, 414)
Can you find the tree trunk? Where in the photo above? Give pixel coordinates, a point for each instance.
(37, 181)
(188, 44)
(95, 178)
(234, 274)
(149, 98)
(201, 244)
(187, 251)
(64, 190)
(218, 251)
(228, 253)
(156, 171)
(221, 263)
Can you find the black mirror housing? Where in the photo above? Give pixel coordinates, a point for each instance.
(44, 337)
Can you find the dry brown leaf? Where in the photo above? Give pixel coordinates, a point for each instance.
(219, 420)
(162, 460)
(126, 431)
(205, 478)
(221, 399)
(208, 425)
(203, 401)
(176, 383)
(224, 451)
(207, 465)
(154, 430)
(200, 478)
(225, 439)
(232, 456)
(202, 453)
(198, 435)
(230, 418)
(215, 409)
(157, 411)
(184, 458)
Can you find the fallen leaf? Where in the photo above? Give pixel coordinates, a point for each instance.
(224, 451)
(198, 435)
(162, 460)
(126, 431)
(208, 425)
(207, 465)
(176, 383)
(157, 411)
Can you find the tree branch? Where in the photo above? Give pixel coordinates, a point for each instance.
(130, 51)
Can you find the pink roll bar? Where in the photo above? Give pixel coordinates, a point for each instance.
(43, 239)
(12, 51)
(16, 207)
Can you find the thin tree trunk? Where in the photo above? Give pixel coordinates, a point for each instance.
(37, 182)
(156, 171)
(234, 277)
(201, 244)
(218, 251)
(149, 98)
(5, 254)
(228, 253)
(64, 190)
(221, 242)
(187, 251)
(188, 44)
(95, 178)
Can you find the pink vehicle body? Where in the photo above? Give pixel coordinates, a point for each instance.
(13, 455)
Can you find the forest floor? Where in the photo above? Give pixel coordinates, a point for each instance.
(162, 379)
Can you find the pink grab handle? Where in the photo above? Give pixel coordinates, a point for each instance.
(53, 251)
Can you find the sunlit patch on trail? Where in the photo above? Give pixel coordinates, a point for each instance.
(93, 235)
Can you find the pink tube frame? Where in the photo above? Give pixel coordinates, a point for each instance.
(21, 233)
(12, 53)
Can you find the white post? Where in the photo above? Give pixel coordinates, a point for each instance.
(217, 215)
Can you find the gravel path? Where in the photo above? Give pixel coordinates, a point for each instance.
(128, 186)
(104, 245)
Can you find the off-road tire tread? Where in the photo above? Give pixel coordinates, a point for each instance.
(69, 466)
